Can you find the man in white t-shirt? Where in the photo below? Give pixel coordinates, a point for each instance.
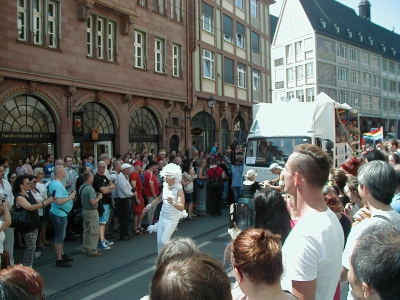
(377, 185)
(312, 252)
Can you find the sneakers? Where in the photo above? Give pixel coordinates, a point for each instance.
(66, 258)
(116, 229)
(62, 264)
(108, 243)
(38, 254)
(95, 254)
(102, 245)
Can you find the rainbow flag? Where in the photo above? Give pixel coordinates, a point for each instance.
(374, 135)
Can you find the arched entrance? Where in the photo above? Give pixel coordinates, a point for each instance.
(239, 130)
(27, 128)
(204, 140)
(174, 143)
(143, 131)
(225, 133)
(95, 119)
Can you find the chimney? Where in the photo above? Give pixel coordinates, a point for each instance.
(364, 9)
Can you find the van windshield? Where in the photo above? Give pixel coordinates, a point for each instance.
(265, 151)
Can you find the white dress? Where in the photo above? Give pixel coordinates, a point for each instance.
(169, 216)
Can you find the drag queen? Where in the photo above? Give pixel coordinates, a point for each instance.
(173, 204)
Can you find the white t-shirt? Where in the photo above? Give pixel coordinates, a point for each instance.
(313, 250)
(2, 238)
(355, 235)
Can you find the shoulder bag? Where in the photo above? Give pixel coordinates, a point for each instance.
(4, 260)
(199, 182)
(20, 218)
(100, 207)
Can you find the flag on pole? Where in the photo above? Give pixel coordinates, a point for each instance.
(374, 135)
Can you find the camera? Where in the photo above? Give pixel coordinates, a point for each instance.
(133, 190)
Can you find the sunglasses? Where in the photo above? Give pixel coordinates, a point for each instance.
(27, 182)
(13, 177)
(33, 182)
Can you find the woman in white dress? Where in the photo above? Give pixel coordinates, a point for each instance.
(173, 207)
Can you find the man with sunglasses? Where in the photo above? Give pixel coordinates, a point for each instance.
(49, 168)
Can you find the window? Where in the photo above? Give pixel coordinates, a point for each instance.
(375, 61)
(290, 95)
(392, 86)
(300, 95)
(241, 71)
(343, 97)
(366, 101)
(208, 21)
(101, 37)
(290, 74)
(176, 60)
(299, 72)
(256, 80)
(354, 55)
(289, 51)
(159, 6)
(228, 71)
(377, 103)
(159, 58)
(139, 49)
(176, 10)
(343, 74)
(228, 29)
(254, 8)
(142, 2)
(376, 82)
(384, 65)
(354, 99)
(298, 48)
(364, 58)
(310, 70)
(308, 45)
(349, 33)
(34, 17)
(255, 42)
(239, 3)
(310, 95)
(354, 77)
(392, 68)
(385, 84)
(341, 51)
(208, 64)
(239, 35)
(365, 79)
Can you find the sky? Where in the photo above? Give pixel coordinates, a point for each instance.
(385, 13)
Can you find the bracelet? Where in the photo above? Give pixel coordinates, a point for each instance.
(43, 203)
(148, 206)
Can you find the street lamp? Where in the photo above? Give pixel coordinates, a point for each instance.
(211, 104)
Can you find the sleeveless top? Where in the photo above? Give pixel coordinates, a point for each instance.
(34, 214)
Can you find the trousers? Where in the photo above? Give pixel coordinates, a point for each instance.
(30, 248)
(165, 229)
(124, 210)
(90, 236)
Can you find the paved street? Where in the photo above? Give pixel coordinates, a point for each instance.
(125, 271)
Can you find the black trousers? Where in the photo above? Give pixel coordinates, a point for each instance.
(124, 211)
(216, 200)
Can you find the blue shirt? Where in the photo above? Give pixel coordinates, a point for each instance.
(237, 176)
(89, 164)
(48, 169)
(213, 150)
(57, 209)
(396, 203)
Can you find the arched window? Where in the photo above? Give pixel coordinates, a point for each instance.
(143, 122)
(239, 130)
(95, 115)
(225, 133)
(174, 143)
(204, 140)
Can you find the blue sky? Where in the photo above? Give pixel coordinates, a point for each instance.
(385, 13)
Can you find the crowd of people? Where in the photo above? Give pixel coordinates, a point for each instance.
(318, 232)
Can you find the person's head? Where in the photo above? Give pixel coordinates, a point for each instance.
(24, 282)
(349, 125)
(375, 154)
(177, 160)
(270, 212)
(101, 167)
(49, 158)
(33, 181)
(352, 189)
(39, 173)
(11, 178)
(338, 177)
(275, 168)
(250, 175)
(116, 166)
(393, 145)
(59, 162)
(172, 174)
(4, 163)
(178, 247)
(202, 163)
(394, 158)
(160, 164)
(59, 172)
(88, 177)
(333, 202)
(2, 171)
(106, 158)
(20, 162)
(352, 165)
(68, 162)
(186, 164)
(377, 179)
(125, 168)
(307, 164)
(256, 258)
(21, 184)
(90, 158)
(27, 160)
(199, 277)
(374, 264)
(239, 160)
(151, 166)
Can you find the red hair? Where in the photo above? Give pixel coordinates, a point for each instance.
(333, 202)
(351, 165)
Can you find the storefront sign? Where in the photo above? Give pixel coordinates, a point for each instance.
(197, 131)
(143, 138)
(14, 137)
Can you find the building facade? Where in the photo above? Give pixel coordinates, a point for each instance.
(324, 46)
(93, 76)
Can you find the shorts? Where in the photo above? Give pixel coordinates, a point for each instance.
(188, 197)
(137, 208)
(106, 214)
(60, 224)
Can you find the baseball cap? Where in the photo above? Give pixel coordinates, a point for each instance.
(125, 166)
(137, 163)
(104, 155)
(275, 166)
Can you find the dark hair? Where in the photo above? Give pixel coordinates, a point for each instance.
(16, 187)
(86, 176)
(24, 282)
(3, 161)
(395, 157)
(186, 165)
(10, 174)
(313, 163)
(352, 164)
(375, 154)
(352, 183)
(257, 253)
(375, 259)
(394, 142)
(270, 213)
(65, 158)
(199, 277)
(49, 155)
(339, 176)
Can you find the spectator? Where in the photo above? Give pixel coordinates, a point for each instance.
(187, 182)
(355, 200)
(214, 149)
(237, 171)
(375, 154)
(250, 185)
(201, 195)
(21, 170)
(113, 178)
(276, 170)
(151, 189)
(4, 163)
(312, 251)
(394, 146)
(40, 186)
(28, 166)
(89, 161)
(58, 214)
(4, 224)
(257, 264)
(377, 185)
(216, 176)
(138, 201)
(339, 178)
(374, 265)
(49, 168)
(7, 195)
(124, 190)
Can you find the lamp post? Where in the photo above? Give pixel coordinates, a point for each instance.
(211, 105)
